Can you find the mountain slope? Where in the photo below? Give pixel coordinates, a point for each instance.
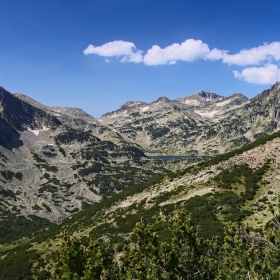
(53, 165)
(199, 124)
(55, 162)
(250, 175)
(241, 186)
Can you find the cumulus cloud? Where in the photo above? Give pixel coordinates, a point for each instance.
(264, 53)
(111, 49)
(117, 48)
(190, 50)
(135, 57)
(268, 74)
(216, 54)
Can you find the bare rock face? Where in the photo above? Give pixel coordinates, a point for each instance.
(17, 116)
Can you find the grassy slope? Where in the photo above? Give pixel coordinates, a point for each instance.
(227, 188)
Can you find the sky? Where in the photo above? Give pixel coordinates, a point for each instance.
(98, 54)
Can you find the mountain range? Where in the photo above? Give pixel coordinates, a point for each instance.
(241, 186)
(202, 123)
(55, 162)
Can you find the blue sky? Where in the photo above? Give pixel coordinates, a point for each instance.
(98, 54)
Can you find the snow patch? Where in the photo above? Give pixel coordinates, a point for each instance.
(192, 102)
(206, 114)
(144, 109)
(37, 131)
(224, 103)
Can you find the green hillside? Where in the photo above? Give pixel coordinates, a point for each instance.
(237, 187)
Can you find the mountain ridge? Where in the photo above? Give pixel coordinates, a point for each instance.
(65, 168)
(201, 123)
(58, 161)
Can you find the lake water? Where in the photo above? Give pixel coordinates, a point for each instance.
(169, 158)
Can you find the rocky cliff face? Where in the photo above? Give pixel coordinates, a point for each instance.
(16, 116)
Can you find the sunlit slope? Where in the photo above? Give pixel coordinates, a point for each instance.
(242, 186)
(237, 186)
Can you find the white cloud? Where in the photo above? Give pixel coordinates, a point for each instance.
(116, 48)
(216, 54)
(259, 75)
(135, 57)
(190, 50)
(107, 60)
(254, 56)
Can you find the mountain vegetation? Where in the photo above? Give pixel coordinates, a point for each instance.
(91, 185)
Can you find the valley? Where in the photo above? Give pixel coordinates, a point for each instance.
(63, 171)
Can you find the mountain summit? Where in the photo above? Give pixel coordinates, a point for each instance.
(195, 124)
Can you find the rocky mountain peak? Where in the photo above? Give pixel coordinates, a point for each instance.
(132, 104)
(240, 95)
(163, 99)
(267, 94)
(208, 95)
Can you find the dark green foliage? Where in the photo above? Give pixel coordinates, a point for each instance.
(242, 174)
(17, 267)
(240, 141)
(75, 210)
(62, 151)
(13, 227)
(208, 212)
(211, 133)
(136, 114)
(239, 255)
(48, 188)
(72, 136)
(9, 175)
(79, 165)
(7, 193)
(157, 132)
(51, 168)
(95, 167)
(38, 159)
(78, 262)
(46, 207)
(270, 127)
(36, 207)
(260, 135)
(49, 154)
(46, 176)
(43, 275)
